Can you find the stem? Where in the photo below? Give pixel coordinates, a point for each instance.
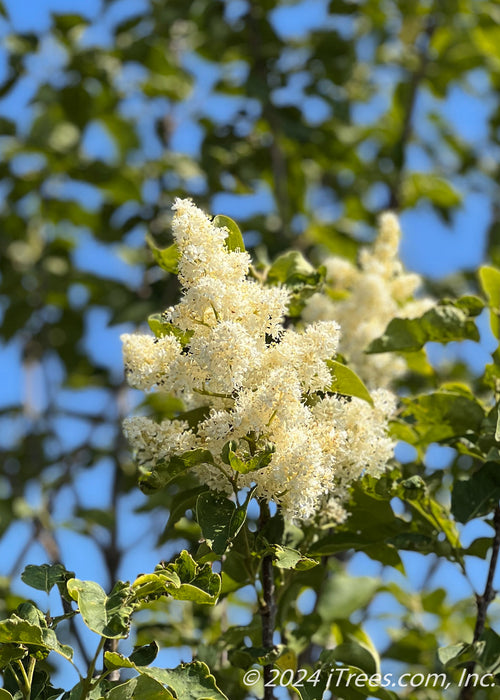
(27, 678)
(31, 670)
(112, 645)
(268, 604)
(16, 677)
(90, 673)
(248, 562)
(483, 602)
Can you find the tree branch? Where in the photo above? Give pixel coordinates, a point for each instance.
(51, 546)
(483, 602)
(414, 84)
(267, 608)
(278, 161)
(112, 552)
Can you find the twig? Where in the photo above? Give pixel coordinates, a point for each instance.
(112, 552)
(267, 608)
(407, 126)
(22, 554)
(483, 602)
(278, 162)
(87, 682)
(49, 543)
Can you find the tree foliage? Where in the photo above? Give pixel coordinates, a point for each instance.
(304, 135)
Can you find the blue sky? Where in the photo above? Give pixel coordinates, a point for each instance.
(428, 246)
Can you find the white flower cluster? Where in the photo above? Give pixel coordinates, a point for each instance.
(265, 387)
(364, 299)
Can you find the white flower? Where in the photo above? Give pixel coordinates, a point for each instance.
(366, 299)
(154, 442)
(148, 359)
(306, 353)
(258, 381)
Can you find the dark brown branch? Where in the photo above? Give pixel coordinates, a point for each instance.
(112, 552)
(22, 554)
(49, 543)
(268, 604)
(278, 161)
(415, 82)
(483, 601)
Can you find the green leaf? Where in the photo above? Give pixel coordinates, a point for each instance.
(161, 328)
(244, 657)
(486, 651)
(479, 547)
(234, 240)
(121, 131)
(155, 585)
(197, 583)
(195, 415)
(478, 495)
(347, 382)
(165, 472)
(342, 595)
(191, 681)
(292, 269)
(45, 576)
(288, 558)
(140, 688)
(166, 258)
(66, 22)
(15, 630)
(220, 520)
(184, 566)
(490, 284)
(487, 39)
(182, 502)
(247, 463)
(470, 303)
(444, 414)
(108, 616)
(114, 660)
(351, 654)
(371, 527)
(489, 278)
(314, 686)
(5, 695)
(42, 688)
(441, 324)
(338, 243)
(417, 186)
(98, 691)
(11, 652)
(489, 651)
(414, 492)
(457, 654)
(145, 655)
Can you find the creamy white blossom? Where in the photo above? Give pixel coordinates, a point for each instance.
(147, 359)
(365, 299)
(153, 442)
(265, 388)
